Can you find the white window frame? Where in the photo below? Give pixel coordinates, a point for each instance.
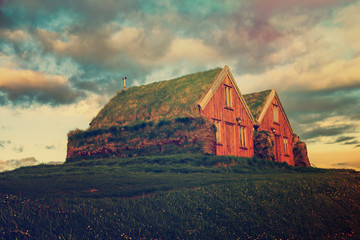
(276, 113)
(286, 146)
(243, 141)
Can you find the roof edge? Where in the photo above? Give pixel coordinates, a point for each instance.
(218, 80)
(283, 110)
(216, 83)
(267, 105)
(273, 94)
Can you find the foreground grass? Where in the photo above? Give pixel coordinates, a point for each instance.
(179, 197)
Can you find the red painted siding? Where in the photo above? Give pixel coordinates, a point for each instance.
(216, 110)
(282, 131)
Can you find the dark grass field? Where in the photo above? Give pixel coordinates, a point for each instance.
(179, 197)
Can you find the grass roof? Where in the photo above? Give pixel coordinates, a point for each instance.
(256, 102)
(165, 99)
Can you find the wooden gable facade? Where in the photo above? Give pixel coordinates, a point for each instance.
(224, 105)
(271, 117)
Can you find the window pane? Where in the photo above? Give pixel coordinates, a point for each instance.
(276, 114)
(227, 96)
(286, 149)
(242, 137)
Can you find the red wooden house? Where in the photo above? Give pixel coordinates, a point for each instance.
(212, 96)
(270, 115)
(225, 106)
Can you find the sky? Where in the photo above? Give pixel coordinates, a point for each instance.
(62, 60)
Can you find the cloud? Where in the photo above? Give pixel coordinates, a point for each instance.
(303, 75)
(346, 140)
(26, 87)
(195, 49)
(314, 113)
(327, 131)
(141, 45)
(89, 12)
(355, 164)
(3, 143)
(50, 147)
(9, 165)
(113, 48)
(354, 142)
(18, 149)
(13, 35)
(308, 50)
(310, 57)
(341, 164)
(83, 47)
(141, 38)
(266, 8)
(343, 139)
(322, 104)
(111, 52)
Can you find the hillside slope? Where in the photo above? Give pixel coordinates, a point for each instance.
(179, 197)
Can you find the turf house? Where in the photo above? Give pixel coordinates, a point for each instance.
(271, 118)
(199, 113)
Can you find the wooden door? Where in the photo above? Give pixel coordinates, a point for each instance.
(277, 149)
(229, 139)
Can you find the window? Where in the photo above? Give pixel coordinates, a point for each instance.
(218, 131)
(276, 113)
(286, 146)
(227, 96)
(242, 136)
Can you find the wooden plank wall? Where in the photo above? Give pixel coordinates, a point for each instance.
(230, 132)
(282, 131)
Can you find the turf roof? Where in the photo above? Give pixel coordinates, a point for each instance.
(256, 102)
(165, 99)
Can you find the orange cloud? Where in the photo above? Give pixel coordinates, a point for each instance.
(15, 79)
(16, 35)
(27, 86)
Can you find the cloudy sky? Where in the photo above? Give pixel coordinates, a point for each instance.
(62, 60)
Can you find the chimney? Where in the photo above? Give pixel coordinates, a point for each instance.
(124, 79)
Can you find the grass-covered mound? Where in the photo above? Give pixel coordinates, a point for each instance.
(179, 197)
(180, 135)
(256, 102)
(166, 99)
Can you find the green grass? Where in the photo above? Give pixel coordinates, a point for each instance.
(161, 100)
(256, 102)
(179, 197)
(126, 177)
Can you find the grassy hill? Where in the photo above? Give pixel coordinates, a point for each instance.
(179, 197)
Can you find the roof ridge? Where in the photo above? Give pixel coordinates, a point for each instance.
(267, 90)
